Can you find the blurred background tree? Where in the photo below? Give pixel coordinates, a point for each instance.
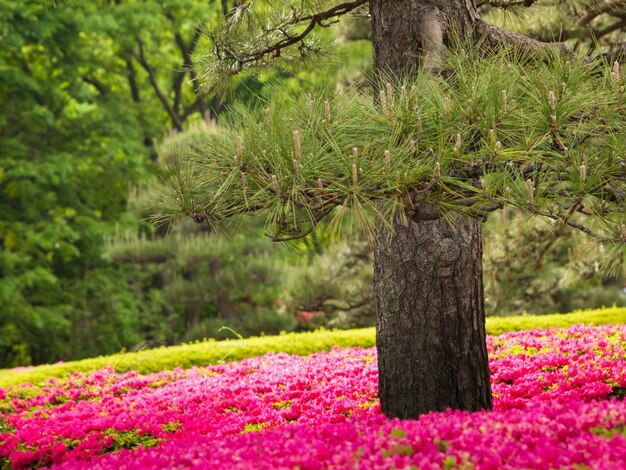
(94, 98)
(86, 88)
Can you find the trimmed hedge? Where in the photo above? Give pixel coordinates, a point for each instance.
(211, 351)
(602, 316)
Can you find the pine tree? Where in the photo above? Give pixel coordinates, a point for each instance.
(467, 118)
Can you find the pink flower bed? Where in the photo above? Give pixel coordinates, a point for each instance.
(553, 408)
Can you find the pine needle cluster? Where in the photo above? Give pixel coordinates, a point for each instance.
(547, 137)
(258, 32)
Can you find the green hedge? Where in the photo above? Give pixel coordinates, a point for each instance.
(211, 352)
(603, 316)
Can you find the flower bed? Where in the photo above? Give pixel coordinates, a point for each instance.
(556, 403)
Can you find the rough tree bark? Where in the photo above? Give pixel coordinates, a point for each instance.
(430, 329)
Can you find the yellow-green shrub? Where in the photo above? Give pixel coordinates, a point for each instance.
(603, 316)
(212, 352)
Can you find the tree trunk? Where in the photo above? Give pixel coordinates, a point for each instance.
(408, 32)
(430, 328)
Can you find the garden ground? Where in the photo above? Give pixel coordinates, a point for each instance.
(557, 403)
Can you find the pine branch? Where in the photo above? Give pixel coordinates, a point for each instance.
(621, 24)
(546, 138)
(233, 57)
(314, 222)
(495, 36)
(601, 8)
(316, 19)
(578, 226)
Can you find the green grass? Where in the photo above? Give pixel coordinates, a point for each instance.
(212, 352)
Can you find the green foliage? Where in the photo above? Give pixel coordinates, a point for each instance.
(174, 426)
(236, 40)
(332, 289)
(248, 323)
(547, 137)
(540, 266)
(254, 427)
(201, 283)
(71, 145)
(530, 265)
(609, 433)
(130, 439)
(589, 26)
(212, 352)
(86, 87)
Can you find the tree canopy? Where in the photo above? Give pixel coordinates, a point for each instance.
(547, 137)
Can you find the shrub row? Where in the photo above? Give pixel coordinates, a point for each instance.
(212, 352)
(602, 316)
